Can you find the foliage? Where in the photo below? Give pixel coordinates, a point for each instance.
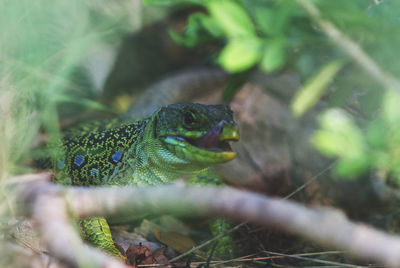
(310, 93)
(273, 34)
(40, 62)
(249, 38)
(42, 47)
(376, 147)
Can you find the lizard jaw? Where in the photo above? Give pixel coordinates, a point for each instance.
(211, 147)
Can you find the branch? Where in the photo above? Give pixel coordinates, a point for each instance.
(328, 227)
(49, 211)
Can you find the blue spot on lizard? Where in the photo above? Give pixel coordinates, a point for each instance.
(179, 138)
(117, 156)
(67, 181)
(78, 160)
(61, 164)
(103, 147)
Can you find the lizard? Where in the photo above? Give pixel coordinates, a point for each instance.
(177, 140)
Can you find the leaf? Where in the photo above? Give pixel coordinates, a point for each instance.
(139, 255)
(274, 21)
(240, 54)
(177, 241)
(338, 135)
(184, 40)
(313, 89)
(352, 167)
(232, 17)
(391, 111)
(264, 17)
(274, 55)
(194, 33)
(376, 135)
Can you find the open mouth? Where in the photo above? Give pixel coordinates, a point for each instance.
(210, 144)
(216, 140)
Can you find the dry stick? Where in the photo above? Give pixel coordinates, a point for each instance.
(326, 226)
(231, 230)
(48, 205)
(350, 47)
(295, 256)
(49, 211)
(247, 259)
(311, 180)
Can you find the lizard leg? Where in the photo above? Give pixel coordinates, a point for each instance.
(225, 246)
(97, 232)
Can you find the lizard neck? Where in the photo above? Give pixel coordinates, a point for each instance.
(150, 162)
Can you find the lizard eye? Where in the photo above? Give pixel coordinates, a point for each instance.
(189, 118)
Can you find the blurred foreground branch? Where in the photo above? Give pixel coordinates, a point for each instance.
(50, 205)
(45, 203)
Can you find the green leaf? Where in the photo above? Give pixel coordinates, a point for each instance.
(274, 20)
(274, 55)
(338, 135)
(391, 111)
(352, 167)
(201, 28)
(240, 54)
(313, 89)
(326, 142)
(187, 41)
(376, 135)
(208, 23)
(232, 17)
(264, 17)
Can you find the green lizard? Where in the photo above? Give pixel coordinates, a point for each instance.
(176, 141)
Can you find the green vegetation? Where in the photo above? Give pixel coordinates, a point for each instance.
(279, 34)
(46, 48)
(42, 52)
(43, 45)
(376, 147)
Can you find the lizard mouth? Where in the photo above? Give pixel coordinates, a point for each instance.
(213, 146)
(208, 145)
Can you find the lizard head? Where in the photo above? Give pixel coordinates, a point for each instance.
(196, 132)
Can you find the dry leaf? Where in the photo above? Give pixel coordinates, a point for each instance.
(177, 241)
(139, 254)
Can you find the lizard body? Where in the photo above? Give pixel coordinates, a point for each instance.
(176, 141)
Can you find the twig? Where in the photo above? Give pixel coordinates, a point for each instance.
(279, 256)
(301, 257)
(48, 204)
(49, 212)
(304, 185)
